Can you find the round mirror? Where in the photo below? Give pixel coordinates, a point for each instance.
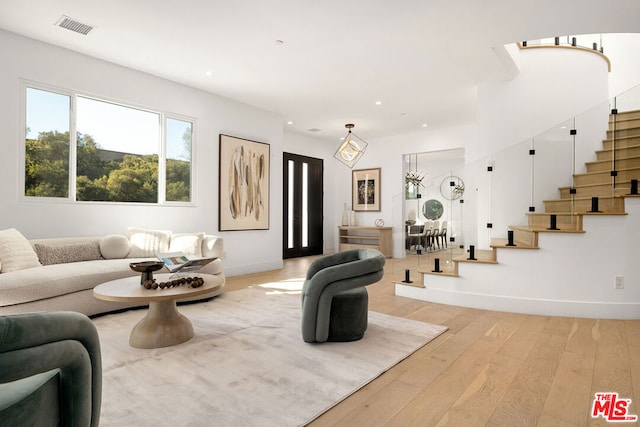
(432, 209)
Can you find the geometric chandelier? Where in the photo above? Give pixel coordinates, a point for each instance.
(351, 149)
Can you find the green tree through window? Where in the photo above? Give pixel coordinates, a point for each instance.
(125, 170)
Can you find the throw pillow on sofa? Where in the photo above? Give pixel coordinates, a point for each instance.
(15, 252)
(114, 246)
(49, 255)
(146, 243)
(189, 244)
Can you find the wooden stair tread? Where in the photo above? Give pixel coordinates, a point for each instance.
(502, 243)
(555, 213)
(583, 198)
(442, 273)
(586, 186)
(415, 284)
(543, 230)
(483, 256)
(607, 150)
(594, 162)
(604, 213)
(601, 172)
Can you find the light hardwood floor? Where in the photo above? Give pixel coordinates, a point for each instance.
(490, 368)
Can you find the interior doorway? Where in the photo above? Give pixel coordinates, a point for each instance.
(302, 193)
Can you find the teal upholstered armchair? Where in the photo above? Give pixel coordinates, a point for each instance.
(50, 370)
(334, 299)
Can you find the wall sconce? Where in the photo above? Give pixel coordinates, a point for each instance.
(351, 149)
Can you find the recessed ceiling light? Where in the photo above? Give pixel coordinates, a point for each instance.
(289, 122)
(378, 102)
(280, 42)
(424, 125)
(208, 73)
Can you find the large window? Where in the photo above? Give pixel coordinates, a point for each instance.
(87, 149)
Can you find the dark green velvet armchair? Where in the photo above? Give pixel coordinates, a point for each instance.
(334, 300)
(50, 370)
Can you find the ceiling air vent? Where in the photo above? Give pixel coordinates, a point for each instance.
(314, 130)
(73, 25)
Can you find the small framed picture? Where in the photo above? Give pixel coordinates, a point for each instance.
(365, 189)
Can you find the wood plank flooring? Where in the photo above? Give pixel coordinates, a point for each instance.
(490, 368)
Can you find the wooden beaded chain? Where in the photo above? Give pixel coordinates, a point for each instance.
(193, 282)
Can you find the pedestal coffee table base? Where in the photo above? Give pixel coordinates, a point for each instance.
(163, 326)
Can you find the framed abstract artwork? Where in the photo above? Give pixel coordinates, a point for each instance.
(365, 189)
(243, 184)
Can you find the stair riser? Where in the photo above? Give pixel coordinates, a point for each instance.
(621, 153)
(605, 177)
(625, 123)
(563, 222)
(528, 238)
(607, 144)
(619, 164)
(620, 133)
(604, 190)
(625, 115)
(604, 205)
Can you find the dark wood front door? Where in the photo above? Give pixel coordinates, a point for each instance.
(302, 198)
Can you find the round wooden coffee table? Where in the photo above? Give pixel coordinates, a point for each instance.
(163, 325)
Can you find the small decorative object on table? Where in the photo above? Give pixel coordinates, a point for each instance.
(146, 268)
(193, 282)
(379, 222)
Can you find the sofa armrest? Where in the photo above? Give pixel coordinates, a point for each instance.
(212, 246)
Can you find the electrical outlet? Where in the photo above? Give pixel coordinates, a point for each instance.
(619, 282)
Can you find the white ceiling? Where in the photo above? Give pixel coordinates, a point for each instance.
(423, 59)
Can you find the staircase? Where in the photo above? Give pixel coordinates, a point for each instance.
(596, 193)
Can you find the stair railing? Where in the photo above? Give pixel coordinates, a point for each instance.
(548, 173)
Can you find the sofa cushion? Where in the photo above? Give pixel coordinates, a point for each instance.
(70, 253)
(189, 244)
(114, 246)
(146, 243)
(50, 281)
(15, 252)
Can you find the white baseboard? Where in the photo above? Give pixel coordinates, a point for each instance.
(544, 307)
(252, 268)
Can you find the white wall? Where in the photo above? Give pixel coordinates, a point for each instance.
(622, 50)
(22, 58)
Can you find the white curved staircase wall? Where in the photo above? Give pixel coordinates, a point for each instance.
(553, 85)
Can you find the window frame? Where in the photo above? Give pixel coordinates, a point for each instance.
(73, 145)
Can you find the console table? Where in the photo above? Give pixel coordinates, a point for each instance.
(355, 237)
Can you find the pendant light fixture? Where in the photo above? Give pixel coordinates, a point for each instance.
(351, 149)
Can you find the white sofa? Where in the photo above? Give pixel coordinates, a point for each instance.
(60, 273)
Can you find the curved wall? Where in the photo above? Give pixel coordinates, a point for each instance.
(553, 84)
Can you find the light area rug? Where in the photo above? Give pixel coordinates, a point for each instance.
(247, 364)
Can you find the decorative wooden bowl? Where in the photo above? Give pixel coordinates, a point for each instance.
(146, 268)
